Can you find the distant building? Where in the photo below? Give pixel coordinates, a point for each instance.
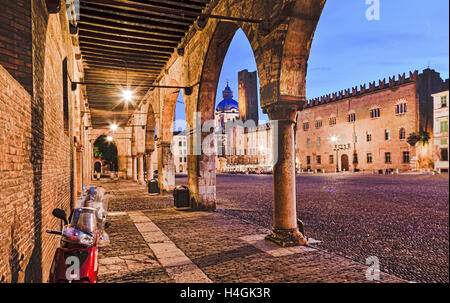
(368, 128)
(241, 145)
(441, 133)
(180, 152)
(248, 96)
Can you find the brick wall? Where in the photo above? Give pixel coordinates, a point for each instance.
(35, 153)
(15, 40)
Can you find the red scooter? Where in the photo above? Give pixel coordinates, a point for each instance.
(76, 260)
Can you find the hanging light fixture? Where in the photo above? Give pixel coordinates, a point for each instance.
(113, 127)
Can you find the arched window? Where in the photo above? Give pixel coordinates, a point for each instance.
(402, 133)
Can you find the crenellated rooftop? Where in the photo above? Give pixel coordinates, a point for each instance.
(364, 89)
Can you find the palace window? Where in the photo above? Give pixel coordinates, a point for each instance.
(181, 160)
(185, 159)
(308, 160)
(387, 158)
(387, 135)
(369, 136)
(308, 142)
(369, 158)
(352, 117)
(401, 108)
(331, 159)
(406, 157)
(333, 121)
(319, 124)
(375, 113)
(180, 143)
(319, 159)
(402, 134)
(444, 101)
(319, 141)
(305, 126)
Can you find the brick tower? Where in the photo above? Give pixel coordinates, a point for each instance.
(248, 96)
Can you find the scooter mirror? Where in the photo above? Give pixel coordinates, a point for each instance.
(60, 214)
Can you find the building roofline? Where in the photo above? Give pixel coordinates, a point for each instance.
(363, 90)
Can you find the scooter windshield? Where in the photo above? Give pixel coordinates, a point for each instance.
(85, 220)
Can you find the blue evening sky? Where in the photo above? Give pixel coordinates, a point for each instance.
(348, 50)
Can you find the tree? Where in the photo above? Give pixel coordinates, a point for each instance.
(106, 151)
(422, 136)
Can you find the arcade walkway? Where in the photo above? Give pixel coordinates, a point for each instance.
(151, 242)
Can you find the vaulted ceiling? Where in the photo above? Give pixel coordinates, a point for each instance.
(128, 42)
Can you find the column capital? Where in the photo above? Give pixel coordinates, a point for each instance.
(284, 111)
(163, 144)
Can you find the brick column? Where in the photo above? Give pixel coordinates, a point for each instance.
(141, 169)
(285, 230)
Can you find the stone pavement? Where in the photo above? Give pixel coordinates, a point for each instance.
(151, 242)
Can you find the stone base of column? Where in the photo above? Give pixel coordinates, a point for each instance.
(204, 206)
(286, 237)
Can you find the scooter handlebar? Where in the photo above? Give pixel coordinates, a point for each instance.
(53, 232)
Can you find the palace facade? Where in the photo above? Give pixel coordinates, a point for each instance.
(370, 128)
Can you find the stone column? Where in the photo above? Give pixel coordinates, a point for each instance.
(141, 169)
(149, 163)
(285, 230)
(133, 159)
(133, 168)
(79, 159)
(166, 172)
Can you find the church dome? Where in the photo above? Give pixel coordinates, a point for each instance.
(227, 104)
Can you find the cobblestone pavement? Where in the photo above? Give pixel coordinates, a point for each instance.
(164, 245)
(403, 220)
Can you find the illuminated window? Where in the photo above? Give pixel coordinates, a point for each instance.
(405, 157)
(369, 158)
(387, 158)
(369, 136)
(387, 135)
(402, 134)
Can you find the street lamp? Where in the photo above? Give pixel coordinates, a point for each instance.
(113, 127)
(334, 140)
(109, 139)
